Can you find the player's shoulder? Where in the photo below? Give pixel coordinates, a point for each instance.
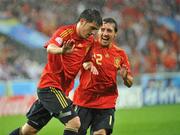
(66, 27)
(66, 30)
(91, 38)
(117, 48)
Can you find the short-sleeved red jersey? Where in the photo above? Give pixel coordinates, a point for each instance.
(100, 91)
(60, 70)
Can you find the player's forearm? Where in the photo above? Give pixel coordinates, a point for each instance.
(54, 49)
(128, 80)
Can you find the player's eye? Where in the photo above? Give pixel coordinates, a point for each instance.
(102, 29)
(109, 30)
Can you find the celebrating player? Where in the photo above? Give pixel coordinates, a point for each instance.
(67, 50)
(96, 95)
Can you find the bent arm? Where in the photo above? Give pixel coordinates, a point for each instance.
(67, 47)
(126, 76)
(128, 80)
(54, 49)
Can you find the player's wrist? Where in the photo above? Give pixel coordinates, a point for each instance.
(60, 50)
(125, 76)
(128, 81)
(87, 65)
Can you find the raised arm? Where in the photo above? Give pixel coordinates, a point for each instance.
(127, 77)
(67, 47)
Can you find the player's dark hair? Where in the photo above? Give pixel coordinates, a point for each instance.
(111, 20)
(91, 15)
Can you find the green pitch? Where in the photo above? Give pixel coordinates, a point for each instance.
(156, 120)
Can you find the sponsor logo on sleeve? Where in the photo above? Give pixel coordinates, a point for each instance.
(59, 40)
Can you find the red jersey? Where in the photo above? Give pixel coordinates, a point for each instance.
(100, 91)
(60, 70)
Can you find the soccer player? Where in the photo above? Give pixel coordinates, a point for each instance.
(96, 95)
(67, 50)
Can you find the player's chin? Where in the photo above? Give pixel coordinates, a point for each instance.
(88, 35)
(84, 36)
(105, 44)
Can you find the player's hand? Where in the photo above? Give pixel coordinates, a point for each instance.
(123, 71)
(128, 79)
(94, 70)
(68, 46)
(91, 67)
(87, 65)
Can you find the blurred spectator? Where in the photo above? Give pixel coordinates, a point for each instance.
(15, 61)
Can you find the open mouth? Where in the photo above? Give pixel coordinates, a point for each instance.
(105, 38)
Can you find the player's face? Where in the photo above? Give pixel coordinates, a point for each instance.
(106, 34)
(86, 29)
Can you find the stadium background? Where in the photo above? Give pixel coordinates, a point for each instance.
(149, 31)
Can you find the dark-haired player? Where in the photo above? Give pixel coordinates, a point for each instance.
(67, 50)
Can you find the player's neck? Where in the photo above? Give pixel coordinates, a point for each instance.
(107, 46)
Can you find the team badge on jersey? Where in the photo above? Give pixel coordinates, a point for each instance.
(117, 61)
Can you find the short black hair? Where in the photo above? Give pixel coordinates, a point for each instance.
(111, 20)
(91, 15)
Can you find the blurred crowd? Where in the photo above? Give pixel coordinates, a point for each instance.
(17, 61)
(151, 47)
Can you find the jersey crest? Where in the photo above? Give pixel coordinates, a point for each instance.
(117, 61)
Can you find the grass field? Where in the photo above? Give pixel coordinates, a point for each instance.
(156, 120)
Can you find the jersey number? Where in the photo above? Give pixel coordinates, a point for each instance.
(98, 58)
